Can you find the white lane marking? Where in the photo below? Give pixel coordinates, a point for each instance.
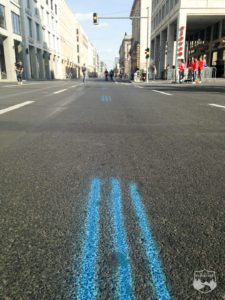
(140, 87)
(116, 82)
(74, 86)
(10, 85)
(58, 92)
(30, 83)
(5, 110)
(162, 93)
(217, 105)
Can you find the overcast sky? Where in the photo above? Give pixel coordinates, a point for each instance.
(108, 35)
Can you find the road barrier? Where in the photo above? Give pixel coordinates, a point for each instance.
(173, 74)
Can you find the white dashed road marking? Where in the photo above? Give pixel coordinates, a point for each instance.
(58, 92)
(217, 105)
(162, 93)
(5, 110)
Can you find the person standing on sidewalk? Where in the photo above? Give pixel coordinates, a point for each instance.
(195, 69)
(84, 71)
(19, 72)
(154, 72)
(181, 70)
(201, 66)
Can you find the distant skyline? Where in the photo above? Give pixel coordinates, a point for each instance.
(108, 35)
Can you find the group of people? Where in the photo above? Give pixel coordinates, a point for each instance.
(109, 74)
(195, 69)
(106, 73)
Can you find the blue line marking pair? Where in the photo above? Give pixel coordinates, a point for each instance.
(106, 98)
(87, 281)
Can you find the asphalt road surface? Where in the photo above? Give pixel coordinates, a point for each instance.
(112, 191)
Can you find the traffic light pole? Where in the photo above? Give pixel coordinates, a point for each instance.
(147, 64)
(96, 18)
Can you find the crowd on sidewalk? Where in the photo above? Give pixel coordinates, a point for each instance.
(195, 70)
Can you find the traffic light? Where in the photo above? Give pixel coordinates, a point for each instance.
(95, 18)
(147, 53)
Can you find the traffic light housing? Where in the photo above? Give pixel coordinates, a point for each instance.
(147, 53)
(95, 18)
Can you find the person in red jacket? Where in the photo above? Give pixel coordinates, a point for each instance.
(181, 68)
(201, 65)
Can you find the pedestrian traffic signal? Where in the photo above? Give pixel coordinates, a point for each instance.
(147, 53)
(95, 18)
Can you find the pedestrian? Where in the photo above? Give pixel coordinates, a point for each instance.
(154, 72)
(111, 74)
(19, 72)
(181, 68)
(190, 70)
(195, 69)
(106, 75)
(167, 71)
(201, 66)
(84, 71)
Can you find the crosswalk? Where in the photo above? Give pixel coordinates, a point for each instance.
(87, 281)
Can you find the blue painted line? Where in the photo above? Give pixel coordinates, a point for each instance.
(106, 98)
(158, 277)
(87, 289)
(124, 273)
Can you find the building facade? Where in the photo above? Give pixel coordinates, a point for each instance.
(141, 31)
(10, 38)
(46, 36)
(125, 60)
(69, 42)
(41, 44)
(182, 29)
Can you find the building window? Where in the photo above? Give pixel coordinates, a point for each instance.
(78, 59)
(77, 31)
(51, 4)
(44, 35)
(2, 16)
(48, 21)
(42, 13)
(30, 27)
(46, 2)
(38, 31)
(16, 23)
(28, 3)
(57, 44)
(163, 12)
(78, 49)
(49, 39)
(54, 47)
(171, 4)
(55, 9)
(216, 28)
(223, 28)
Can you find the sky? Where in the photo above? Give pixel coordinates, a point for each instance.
(108, 35)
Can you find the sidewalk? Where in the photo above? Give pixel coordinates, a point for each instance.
(213, 82)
